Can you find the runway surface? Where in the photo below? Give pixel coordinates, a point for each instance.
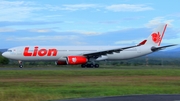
(40, 68)
(132, 98)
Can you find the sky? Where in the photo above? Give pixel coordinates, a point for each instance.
(86, 22)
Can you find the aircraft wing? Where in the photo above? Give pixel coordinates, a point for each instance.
(97, 54)
(161, 47)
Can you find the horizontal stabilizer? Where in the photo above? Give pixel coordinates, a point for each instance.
(161, 47)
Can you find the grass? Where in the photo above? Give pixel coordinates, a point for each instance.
(40, 85)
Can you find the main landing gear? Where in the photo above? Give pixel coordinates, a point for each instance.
(90, 65)
(20, 64)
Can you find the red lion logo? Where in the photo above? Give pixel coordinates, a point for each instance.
(156, 37)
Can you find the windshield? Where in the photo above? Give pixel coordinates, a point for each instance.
(9, 50)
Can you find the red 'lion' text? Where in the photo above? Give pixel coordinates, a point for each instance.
(40, 52)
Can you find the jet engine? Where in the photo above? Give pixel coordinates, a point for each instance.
(76, 60)
(72, 60)
(59, 62)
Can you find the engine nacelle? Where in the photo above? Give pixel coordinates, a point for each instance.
(76, 60)
(61, 62)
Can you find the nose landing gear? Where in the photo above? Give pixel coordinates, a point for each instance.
(20, 64)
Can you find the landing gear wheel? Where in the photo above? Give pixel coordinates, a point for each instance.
(91, 65)
(88, 65)
(96, 65)
(20, 64)
(83, 65)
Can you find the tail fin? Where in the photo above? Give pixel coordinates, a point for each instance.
(156, 36)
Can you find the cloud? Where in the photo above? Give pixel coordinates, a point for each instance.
(159, 20)
(172, 41)
(109, 22)
(17, 10)
(11, 23)
(43, 38)
(78, 7)
(132, 18)
(128, 8)
(125, 42)
(7, 30)
(71, 7)
(84, 32)
(175, 15)
(40, 30)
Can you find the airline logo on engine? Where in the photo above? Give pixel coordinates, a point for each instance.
(156, 37)
(40, 52)
(74, 60)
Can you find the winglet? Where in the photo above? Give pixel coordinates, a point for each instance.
(142, 43)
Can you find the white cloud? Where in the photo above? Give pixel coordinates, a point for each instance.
(172, 41)
(40, 30)
(7, 30)
(158, 20)
(25, 10)
(175, 15)
(90, 33)
(71, 7)
(78, 7)
(128, 8)
(125, 42)
(43, 38)
(17, 10)
(78, 43)
(86, 32)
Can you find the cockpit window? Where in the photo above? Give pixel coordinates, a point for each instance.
(9, 50)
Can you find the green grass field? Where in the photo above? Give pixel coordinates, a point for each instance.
(40, 85)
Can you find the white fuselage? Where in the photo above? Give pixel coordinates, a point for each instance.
(47, 53)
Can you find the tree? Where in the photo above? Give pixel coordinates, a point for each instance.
(3, 60)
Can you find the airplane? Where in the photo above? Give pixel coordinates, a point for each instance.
(86, 56)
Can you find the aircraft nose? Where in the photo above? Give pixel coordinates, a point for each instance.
(4, 54)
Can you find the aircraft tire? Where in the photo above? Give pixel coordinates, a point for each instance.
(20, 66)
(83, 65)
(96, 65)
(91, 65)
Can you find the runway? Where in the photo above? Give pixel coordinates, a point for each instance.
(132, 98)
(41, 68)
